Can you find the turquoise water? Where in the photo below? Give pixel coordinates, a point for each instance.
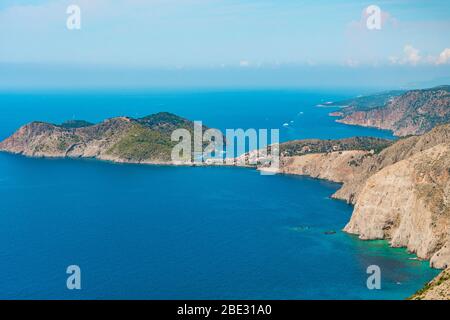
(184, 233)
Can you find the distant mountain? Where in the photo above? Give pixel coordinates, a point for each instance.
(405, 113)
(121, 139)
(362, 103)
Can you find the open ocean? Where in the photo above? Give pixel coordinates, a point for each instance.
(155, 232)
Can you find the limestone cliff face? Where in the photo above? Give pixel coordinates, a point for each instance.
(409, 204)
(401, 194)
(401, 190)
(334, 166)
(121, 139)
(402, 149)
(39, 139)
(414, 112)
(437, 289)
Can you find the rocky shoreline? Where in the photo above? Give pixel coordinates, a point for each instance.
(412, 112)
(400, 191)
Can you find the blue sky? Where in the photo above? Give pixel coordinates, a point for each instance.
(222, 35)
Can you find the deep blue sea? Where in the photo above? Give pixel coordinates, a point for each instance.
(154, 232)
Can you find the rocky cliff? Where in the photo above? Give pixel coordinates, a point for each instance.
(400, 190)
(437, 289)
(408, 203)
(410, 113)
(121, 139)
(401, 193)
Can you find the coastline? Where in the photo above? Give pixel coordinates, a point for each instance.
(414, 257)
(348, 163)
(254, 167)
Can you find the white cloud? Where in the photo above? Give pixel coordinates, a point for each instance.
(412, 55)
(444, 57)
(387, 20)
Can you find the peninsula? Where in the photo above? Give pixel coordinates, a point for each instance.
(400, 189)
(403, 112)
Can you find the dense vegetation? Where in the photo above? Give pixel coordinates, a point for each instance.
(142, 143)
(149, 138)
(300, 147)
